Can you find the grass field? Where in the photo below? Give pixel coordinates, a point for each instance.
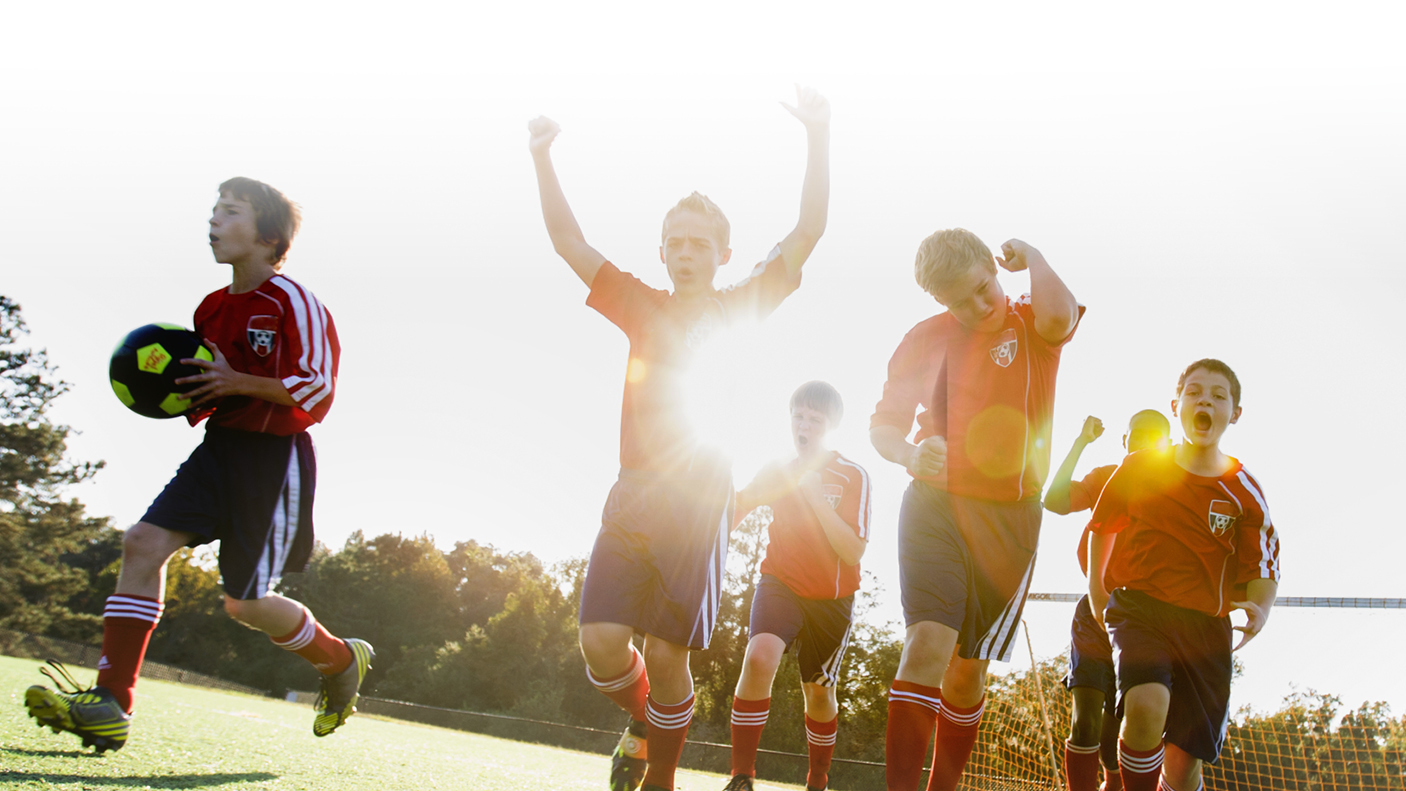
(191, 737)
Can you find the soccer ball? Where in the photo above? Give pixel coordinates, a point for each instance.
(146, 364)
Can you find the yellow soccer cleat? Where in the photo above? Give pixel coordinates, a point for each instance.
(92, 714)
(337, 699)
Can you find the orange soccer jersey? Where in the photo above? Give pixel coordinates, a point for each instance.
(989, 394)
(1185, 539)
(798, 553)
(654, 432)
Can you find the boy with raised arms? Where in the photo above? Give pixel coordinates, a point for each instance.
(805, 599)
(1181, 537)
(1091, 680)
(659, 557)
(249, 484)
(983, 372)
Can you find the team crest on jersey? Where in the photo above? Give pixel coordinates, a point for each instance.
(698, 332)
(1221, 516)
(833, 492)
(1003, 353)
(263, 334)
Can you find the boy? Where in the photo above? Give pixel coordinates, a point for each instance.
(984, 373)
(818, 532)
(658, 560)
(1181, 537)
(248, 485)
(1091, 679)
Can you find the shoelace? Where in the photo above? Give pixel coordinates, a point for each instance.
(64, 681)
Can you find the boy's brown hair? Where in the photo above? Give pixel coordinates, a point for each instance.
(698, 203)
(947, 255)
(1216, 367)
(276, 218)
(822, 397)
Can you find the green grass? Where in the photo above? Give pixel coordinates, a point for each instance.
(191, 737)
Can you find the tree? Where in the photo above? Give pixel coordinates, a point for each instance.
(39, 529)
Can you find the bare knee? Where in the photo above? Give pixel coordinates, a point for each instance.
(1087, 727)
(821, 703)
(240, 609)
(146, 547)
(964, 683)
(927, 650)
(1145, 715)
(606, 647)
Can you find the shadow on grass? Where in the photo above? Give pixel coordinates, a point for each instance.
(134, 781)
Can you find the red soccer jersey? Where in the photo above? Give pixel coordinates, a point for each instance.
(1082, 496)
(798, 552)
(991, 395)
(663, 333)
(1187, 540)
(278, 330)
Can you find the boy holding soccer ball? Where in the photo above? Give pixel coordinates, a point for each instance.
(659, 557)
(249, 484)
(1180, 538)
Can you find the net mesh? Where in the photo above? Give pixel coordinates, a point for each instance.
(1310, 744)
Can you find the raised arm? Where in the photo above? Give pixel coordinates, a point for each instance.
(1056, 310)
(813, 110)
(567, 238)
(1057, 498)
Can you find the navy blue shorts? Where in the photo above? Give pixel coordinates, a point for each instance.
(251, 492)
(659, 558)
(1186, 651)
(1091, 656)
(966, 563)
(817, 628)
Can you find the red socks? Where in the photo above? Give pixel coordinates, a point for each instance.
(748, 720)
(1141, 769)
(317, 645)
(629, 690)
(912, 716)
(820, 742)
(668, 725)
(128, 622)
(1081, 766)
(956, 736)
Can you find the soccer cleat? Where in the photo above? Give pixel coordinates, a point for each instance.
(91, 714)
(739, 783)
(628, 763)
(336, 700)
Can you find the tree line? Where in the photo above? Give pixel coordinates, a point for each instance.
(480, 628)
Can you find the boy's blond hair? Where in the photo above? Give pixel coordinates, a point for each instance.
(947, 255)
(698, 203)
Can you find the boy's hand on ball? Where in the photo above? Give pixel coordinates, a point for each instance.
(1013, 255)
(217, 381)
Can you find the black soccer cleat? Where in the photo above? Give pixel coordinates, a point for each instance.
(92, 714)
(631, 756)
(739, 783)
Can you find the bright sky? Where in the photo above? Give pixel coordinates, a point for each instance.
(1219, 180)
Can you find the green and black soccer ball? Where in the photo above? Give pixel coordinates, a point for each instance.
(146, 364)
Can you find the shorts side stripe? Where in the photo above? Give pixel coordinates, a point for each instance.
(282, 531)
(999, 641)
